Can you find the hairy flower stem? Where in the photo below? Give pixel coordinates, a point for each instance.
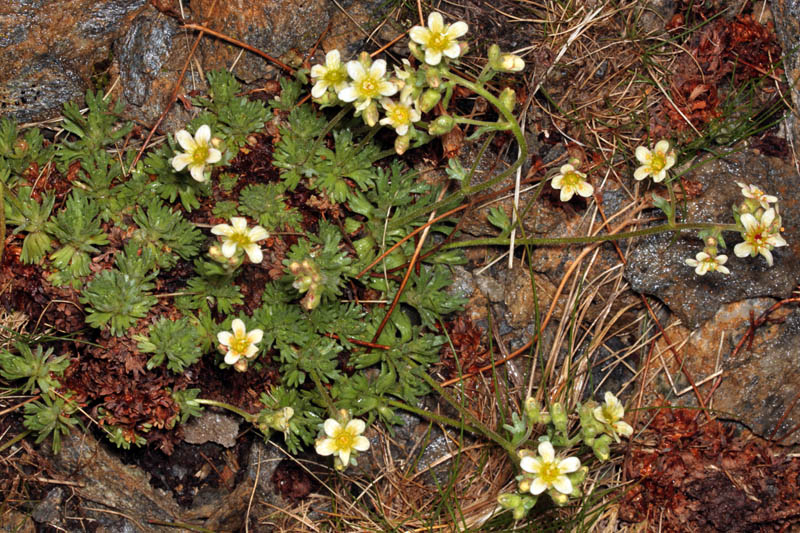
(252, 418)
(2, 219)
(594, 239)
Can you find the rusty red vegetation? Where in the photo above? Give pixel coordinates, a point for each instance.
(693, 476)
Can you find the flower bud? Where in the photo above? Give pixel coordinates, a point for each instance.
(524, 485)
(416, 51)
(433, 77)
(327, 99)
(216, 254)
(441, 125)
(509, 500)
(508, 98)
(494, 56)
(601, 447)
(429, 99)
(370, 114)
(216, 142)
(241, 365)
(401, 144)
(511, 63)
(533, 411)
(559, 416)
(558, 498)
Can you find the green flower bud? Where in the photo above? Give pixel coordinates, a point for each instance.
(511, 63)
(441, 125)
(601, 447)
(559, 416)
(494, 56)
(370, 114)
(429, 99)
(433, 77)
(509, 500)
(327, 99)
(558, 498)
(533, 411)
(416, 51)
(508, 98)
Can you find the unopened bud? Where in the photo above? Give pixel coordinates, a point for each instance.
(441, 125)
(533, 411)
(559, 416)
(433, 77)
(508, 98)
(401, 144)
(429, 99)
(511, 63)
(370, 114)
(494, 56)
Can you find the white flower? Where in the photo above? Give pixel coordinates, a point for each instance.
(332, 74)
(656, 162)
(400, 115)
(438, 38)
(549, 471)
(367, 84)
(238, 236)
(570, 181)
(703, 263)
(240, 343)
(611, 413)
(754, 193)
(199, 152)
(760, 236)
(342, 440)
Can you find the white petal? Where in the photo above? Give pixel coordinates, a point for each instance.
(749, 222)
(625, 429)
(641, 172)
(402, 129)
(231, 358)
(547, 452)
(325, 447)
(742, 249)
(566, 194)
(722, 270)
(356, 70)
(556, 183)
(348, 94)
(767, 255)
(570, 464)
(258, 234)
(643, 155)
(610, 398)
(254, 254)
(180, 161)
(255, 336)
(529, 464)
(197, 172)
(224, 337)
(186, 141)
(222, 229)
(251, 351)
(332, 59)
(378, 68)
(659, 176)
(387, 88)
(584, 189)
(538, 486)
(228, 249)
(214, 155)
(318, 71)
(202, 135)
(237, 326)
(344, 456)
(566, 168)
(457, 29)
(239, 224)
(662, 146)
(768, 217)
(356, 426)
(361, 443)
(331, 427)
(563, 485)
(420, 35)
(776, 240)
(453, 51)
(433, 57)
(435, 22)
(319, 88)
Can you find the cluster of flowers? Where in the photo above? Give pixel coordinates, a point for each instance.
(365, 82)
(561, 477)
(308, 280)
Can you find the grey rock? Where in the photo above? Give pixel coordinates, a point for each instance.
(212, 427)
(50, 48)
(47, 511)
(142, 52)
(655, 267)
(786, 15)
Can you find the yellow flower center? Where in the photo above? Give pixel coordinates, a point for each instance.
(200, 154)
(549, 473)
(241, 239)
(344, 440)
(334, 76)
(658, 162)
(439, 41)
(239, 345)
(608, 414)
(571, 179)
(399, 114)
(368, 87)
